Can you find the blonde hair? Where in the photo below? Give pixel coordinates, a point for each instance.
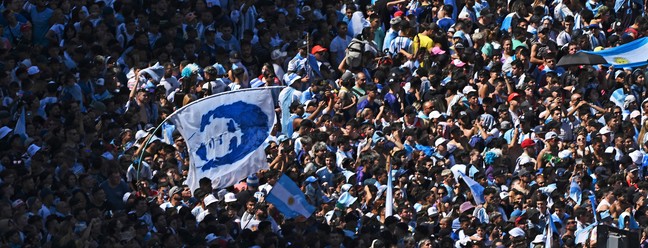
(188, 98)
(642, 133)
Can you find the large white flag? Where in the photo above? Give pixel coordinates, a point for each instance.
(225, 134)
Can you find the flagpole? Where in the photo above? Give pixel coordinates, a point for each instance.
(141, 155)
(389, 208)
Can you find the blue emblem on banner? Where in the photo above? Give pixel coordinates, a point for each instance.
(240, 129)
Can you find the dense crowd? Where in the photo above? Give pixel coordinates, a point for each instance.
(434, 95)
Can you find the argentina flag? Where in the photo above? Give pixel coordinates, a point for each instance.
(632, 54)
(289, 199)
(225, 134)
(475, 188)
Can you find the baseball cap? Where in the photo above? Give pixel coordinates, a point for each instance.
(527, 143)
(209, 199)
(439, 141)
(174, 190)
(605, 130)
(543, 28)
(458, 63)
(437, 51)
(32, 70)
(395, 21)
(230, 197)
(468, 89)
(317, 49)
(513, 96)
(303, 44)
(465, 207)
(551, 135)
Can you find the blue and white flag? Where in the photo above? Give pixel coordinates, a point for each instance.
(618, 98)
(632, 54)
(552, 231)
(20, 128)
(592, 199)
(583, 235)
(549, 233)
(389, 198)
(475, 188)
(225, 134)
(286, 196)
(575, 192)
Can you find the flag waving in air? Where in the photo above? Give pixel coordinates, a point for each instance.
(225, 134)
(289, 199)
(475, 188)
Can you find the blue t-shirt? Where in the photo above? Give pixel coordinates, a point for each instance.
(40, 22)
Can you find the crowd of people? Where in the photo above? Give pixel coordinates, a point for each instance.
(460, 103)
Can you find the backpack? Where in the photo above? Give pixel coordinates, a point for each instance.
(354, 53)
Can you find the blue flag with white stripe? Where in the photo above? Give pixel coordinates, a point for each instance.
(583, 235)
(550, 231)
(225, 134)
(475, 188)
(289, 199)
(592, 199)
(20, 128)
(618, 98)
(575, 192)
(632, 54)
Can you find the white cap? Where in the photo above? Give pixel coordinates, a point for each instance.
(551, 135)
(517, 232)
(209, 199)
(140, 134)
(292, 78)
(432, 211)
(564, 154)
(636, 156)
(635, 114)
(604, 130)
(435, 114)
(230, 197)
(33, 149)
(468, 89)
(439, 141)
(33, 70)
(539, 239)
